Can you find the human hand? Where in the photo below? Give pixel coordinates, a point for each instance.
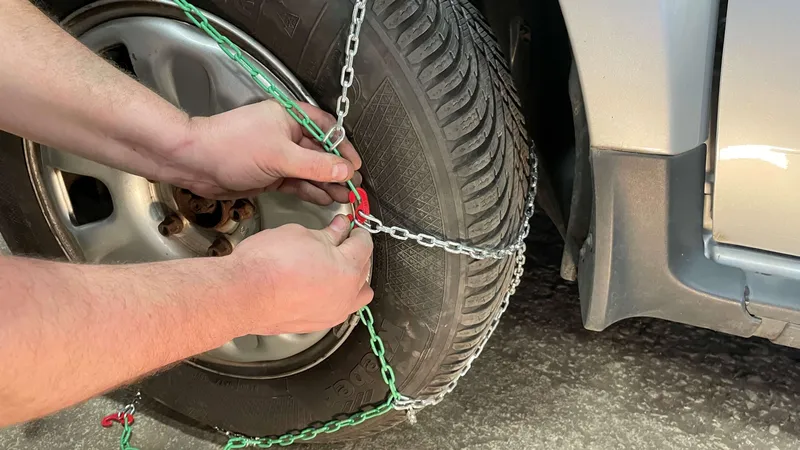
(257, 148)
(299, 280)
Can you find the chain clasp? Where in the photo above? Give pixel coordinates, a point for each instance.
(120, 417)
(360, 208)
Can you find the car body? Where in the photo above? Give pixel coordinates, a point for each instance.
(677, 198)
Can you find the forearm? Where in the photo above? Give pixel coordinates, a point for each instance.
(69, 332)
(55, 91)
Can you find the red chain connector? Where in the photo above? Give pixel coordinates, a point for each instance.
(359, 207)
(119, 417)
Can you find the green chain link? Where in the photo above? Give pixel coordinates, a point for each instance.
(311, 432)
(333, 426)
(365, 314)
(262, 80)
(125, 439)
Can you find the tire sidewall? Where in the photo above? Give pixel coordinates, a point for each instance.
(418, 290)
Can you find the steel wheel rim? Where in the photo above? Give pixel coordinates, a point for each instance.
(139, 202)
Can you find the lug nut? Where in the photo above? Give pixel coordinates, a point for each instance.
(243, 209)
(220, 247)
(172, 224)
(201, 205)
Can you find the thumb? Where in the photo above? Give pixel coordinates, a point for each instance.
(314, 165)
(338, 230)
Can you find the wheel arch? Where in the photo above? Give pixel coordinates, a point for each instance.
(533, 37)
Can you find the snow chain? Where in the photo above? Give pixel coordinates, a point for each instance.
(362, 218)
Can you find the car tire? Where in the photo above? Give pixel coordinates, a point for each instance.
(436, 119)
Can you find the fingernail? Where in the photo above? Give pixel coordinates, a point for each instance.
(339, 224)
(340, 172)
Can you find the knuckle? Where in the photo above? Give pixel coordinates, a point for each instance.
(369, 294)
(352, 273)
(343, 307)
(365, 238)
(321, 165)
(296, 230)
(293, 227)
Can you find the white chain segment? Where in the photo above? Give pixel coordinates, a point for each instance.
(412, 405)
(375, 226)
(348, 73)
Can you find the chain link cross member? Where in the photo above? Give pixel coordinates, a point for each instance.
(362, 218)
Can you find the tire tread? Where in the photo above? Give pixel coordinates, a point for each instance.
(456, 59)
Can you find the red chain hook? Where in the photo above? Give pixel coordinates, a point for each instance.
(360, 207)
(119, 417)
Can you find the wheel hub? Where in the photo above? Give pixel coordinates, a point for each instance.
(118, 217)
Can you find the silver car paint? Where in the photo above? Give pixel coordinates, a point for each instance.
(645, 68)
(756, 186)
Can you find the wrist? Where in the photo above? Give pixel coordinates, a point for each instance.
(195, 292)
(232, 295)
(171, 149)
(254, 306)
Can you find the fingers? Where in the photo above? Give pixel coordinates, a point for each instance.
(315, 192)
(364, 296)
(326, 121)
(311, 191)
(338, 230)
(300, 162)
(365, 271)
(357, 178)
(358, 247)
(349, 152)
(366, 293)
(310, 143)
(218, 193)
(337, 192)
(307, 191)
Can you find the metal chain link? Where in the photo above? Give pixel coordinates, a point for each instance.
(375, 226)
(125, 417)
(411, 405)
(125, 437)
(330, 141)
(268, 86)
(376, 344)
(309, 433)
(348, 73)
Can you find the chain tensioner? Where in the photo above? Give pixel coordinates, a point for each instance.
(361, 218)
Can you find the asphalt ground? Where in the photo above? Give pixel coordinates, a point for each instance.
(546, 383)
